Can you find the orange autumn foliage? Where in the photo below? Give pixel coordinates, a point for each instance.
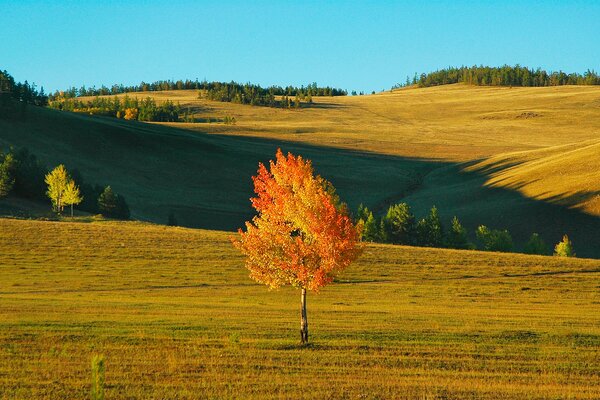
(302, 235)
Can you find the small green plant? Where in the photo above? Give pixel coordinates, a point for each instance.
(564, 248)
(97, 377)
(234, 338)
(229, 120)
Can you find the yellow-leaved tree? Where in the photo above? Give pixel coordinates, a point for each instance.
(302, 235)
(72, 195)
(62, 190)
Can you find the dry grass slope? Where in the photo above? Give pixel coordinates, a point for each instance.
(176, 317)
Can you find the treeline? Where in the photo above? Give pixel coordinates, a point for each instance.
(400, 226)
(15, 96)
(311, 89)
(127, 108)
(24, 176)
(258, 96)
(504, 76)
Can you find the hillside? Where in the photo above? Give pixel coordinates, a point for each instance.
(182, 318)
(516, 158)
(448, 123)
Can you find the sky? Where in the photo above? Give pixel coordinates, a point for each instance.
(362, 46)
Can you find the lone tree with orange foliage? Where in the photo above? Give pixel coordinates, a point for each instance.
(302, 235)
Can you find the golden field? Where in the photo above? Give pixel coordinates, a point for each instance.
(176, 317)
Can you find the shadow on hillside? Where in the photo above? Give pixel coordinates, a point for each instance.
(465, 194)
(322, 105)
(205, 179)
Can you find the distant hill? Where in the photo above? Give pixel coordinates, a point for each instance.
(512, 158)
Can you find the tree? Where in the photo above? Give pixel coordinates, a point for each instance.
(131, 114)
(107, 202)
(29, 176)
(457, 236)
(564, 248)
(494, 240)
(72, 195)
(302, 235)
(370, 231)
(536, 245)
(398, 225)
(57, 181)
(430, 231)
(7, 174)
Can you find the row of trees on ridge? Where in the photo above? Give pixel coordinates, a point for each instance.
(313, 89)
(400, 226)
(127, 108)
(16, 96)
(505, 75)
(258, 96)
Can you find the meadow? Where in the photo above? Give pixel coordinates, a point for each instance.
(176, 317)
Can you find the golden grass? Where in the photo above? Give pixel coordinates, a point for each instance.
(449, 123)
(566, 175)
(175, 315)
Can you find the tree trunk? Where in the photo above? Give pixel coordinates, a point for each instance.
(303, 320)
(71, 210)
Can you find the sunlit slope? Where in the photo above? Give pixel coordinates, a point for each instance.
(568, 175)
(204, 179)
(450, 122)
(176, 317)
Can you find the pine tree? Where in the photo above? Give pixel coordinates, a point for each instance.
(429, 231)
(436, 230)
(7, 174)
(536, 245)
(399, 225)
(107, 202)
(457, 236)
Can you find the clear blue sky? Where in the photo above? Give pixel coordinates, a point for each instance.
(357, 46)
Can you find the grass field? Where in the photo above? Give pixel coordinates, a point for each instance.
(176, 317)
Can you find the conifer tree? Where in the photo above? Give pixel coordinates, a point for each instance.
(7, 174)
(457, 235)
(107, 202)
(536, 245)
(399, 224)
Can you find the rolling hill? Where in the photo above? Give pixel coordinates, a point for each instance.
(516, 158)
